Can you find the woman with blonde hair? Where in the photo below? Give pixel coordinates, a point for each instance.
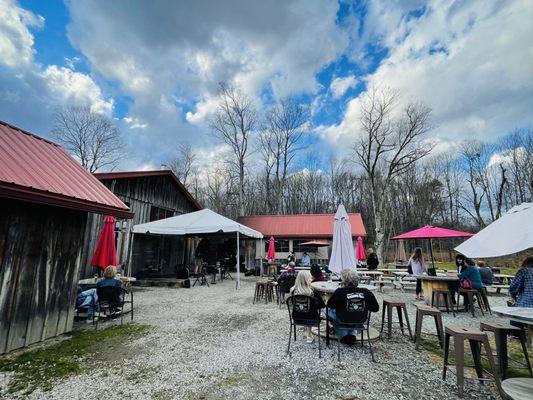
(302, 286)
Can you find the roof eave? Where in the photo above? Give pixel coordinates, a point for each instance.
(53, 199)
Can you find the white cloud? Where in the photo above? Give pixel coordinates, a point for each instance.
(16, 40)
(76, 88)
(339, 86)
(470, 62)
(135, 123)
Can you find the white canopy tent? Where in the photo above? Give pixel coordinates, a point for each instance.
(342, 250)
(197, 223)
(509, 234)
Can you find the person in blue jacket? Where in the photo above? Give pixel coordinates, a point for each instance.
(471, 272)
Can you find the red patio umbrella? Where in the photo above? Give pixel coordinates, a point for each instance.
(271, 253)
(106, 253)
(432, 232)
(360, 251)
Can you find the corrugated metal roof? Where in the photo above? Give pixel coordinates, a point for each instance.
(37, 170)
(316, 226)
(140, 174)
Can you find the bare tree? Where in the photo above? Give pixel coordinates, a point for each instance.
(282, 140)
(388, 147)
(233, 122)
(90, 137)
(184, 164)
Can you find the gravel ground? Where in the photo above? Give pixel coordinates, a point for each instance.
(213, 343)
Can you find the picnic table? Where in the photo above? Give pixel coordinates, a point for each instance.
(504, 278)
(519, 314)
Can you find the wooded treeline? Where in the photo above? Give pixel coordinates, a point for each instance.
(393, 176)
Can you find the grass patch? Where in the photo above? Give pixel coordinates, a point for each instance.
(514, 351)
(40, 368)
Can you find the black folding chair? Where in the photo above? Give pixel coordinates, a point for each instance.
(200, 276)
(303, 311)
(285, 283)
(111, 300)
(356, 316)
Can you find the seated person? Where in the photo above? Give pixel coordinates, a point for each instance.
(291, 271)
(521, 289)
(109, 288)
(87, 299)
(487, 276)
(302, 286)
(317, 274)
(472, 274)
(287, 278)
(337, 304)
(306, 260)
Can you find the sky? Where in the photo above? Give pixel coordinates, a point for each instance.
(154, 67)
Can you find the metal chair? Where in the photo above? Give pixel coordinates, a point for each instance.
(285, 283)
(303, 311)
(111, 300)
(200, 276)
(355, 315)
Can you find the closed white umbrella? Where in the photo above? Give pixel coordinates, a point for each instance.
(342, 250)
(509, 234)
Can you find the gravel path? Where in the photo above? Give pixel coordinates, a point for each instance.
(212, 343)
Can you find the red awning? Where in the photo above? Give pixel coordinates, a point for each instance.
(432, 232)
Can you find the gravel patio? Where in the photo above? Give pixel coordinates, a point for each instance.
(213, 343)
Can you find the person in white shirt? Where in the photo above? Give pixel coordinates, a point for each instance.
(306, 260)
(418, 267)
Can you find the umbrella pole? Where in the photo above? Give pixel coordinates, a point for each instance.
(431, 252)
(238, 264)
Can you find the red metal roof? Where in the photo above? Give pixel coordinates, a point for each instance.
(136, 174)
(37, 170)
(316, 226)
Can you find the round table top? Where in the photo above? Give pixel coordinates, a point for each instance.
(522, 314)
(453, 278)
(330, 287)
(518, 388)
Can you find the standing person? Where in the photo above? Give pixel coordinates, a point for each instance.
(460, 262)
(302, 286)
(521, 289)
(372, 260)
(337, 304)
(418, 267)
(487, 277)
(306, 260)
(291, 258)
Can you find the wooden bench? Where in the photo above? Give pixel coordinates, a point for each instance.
(403, 285)
(498, 288)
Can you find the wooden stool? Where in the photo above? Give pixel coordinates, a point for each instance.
(261, 290)
(469, 294)
(485, 297)
(518, 388)
(446, 298)
(390, 304)
(476, 339)
(501, 331)
(422, 310)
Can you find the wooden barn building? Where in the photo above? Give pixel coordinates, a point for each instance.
(45, 197)
(151, 195)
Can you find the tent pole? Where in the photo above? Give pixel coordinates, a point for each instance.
(261, 256)
(431, 252)
(238, 264)
(130, 250)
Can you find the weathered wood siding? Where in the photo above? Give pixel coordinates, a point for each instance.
(140, 193)
(39, 263)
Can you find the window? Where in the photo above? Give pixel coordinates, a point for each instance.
(297, 248)
(157, 213)
(282, 245)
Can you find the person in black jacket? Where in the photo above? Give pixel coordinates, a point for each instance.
(372, 260)
(339, 300)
